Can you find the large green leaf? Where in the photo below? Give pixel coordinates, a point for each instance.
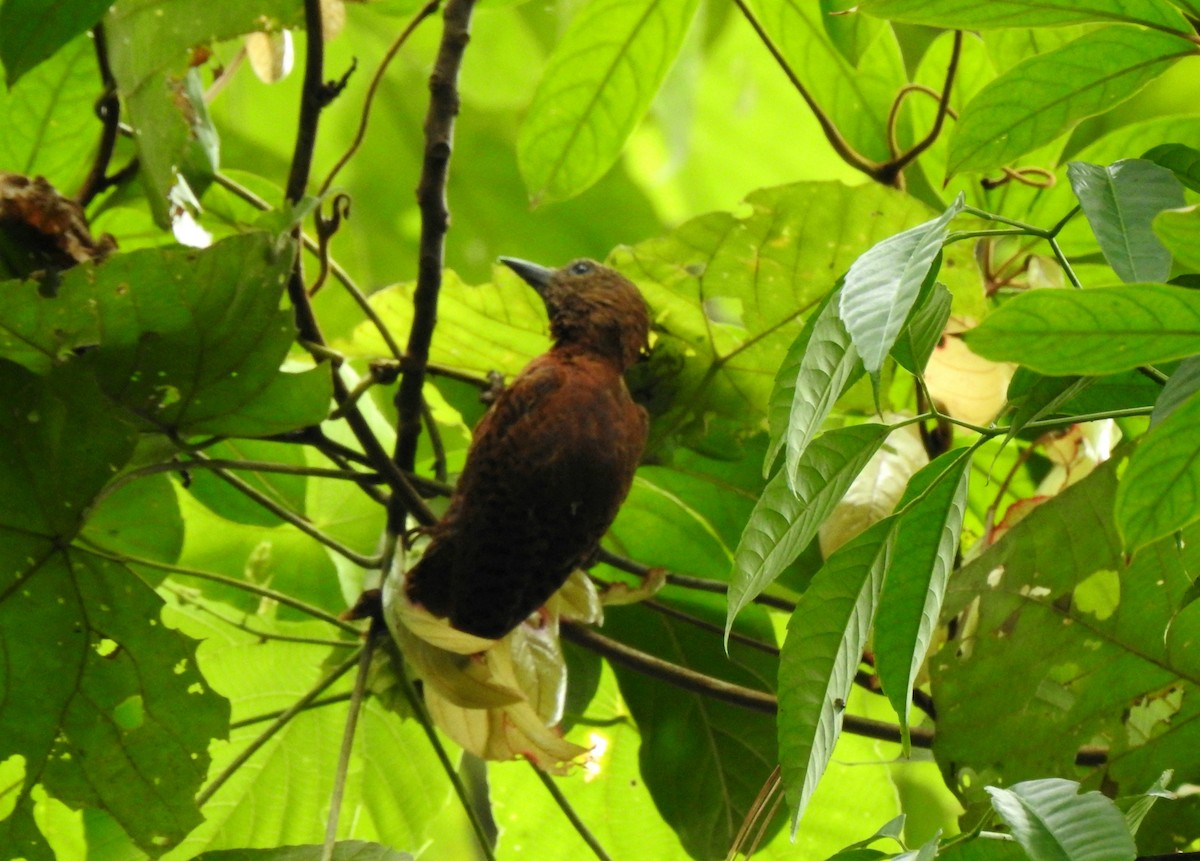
(596, 86)
(1120, 202)
(1099, 331)
(1160, 491)
(855, 95)
(883, 284)
(1179, 231)
(344, 850)
(186, 340)
(48, 121)
(1052, 821)
(968, 14)
(1044, 96)
(704, 783)
(927, 534)
(33, 30)
(785, 519)
(1183, 160)
(826, 637)
(123, 718)
(1092, 651)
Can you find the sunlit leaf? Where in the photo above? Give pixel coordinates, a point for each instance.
(1044, 96)
(1179, 231)
(967, 14)
(596, 86)
(1100, 331)
(1160, 491)
(343, 850)
(1120, 202)
(785, 520)
(826, 636)
(883, 285)
(1045, 817)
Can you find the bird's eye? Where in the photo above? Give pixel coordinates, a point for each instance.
(581, 268)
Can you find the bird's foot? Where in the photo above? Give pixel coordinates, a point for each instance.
(495, 386)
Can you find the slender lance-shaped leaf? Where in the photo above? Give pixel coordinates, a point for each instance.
(1182, 385)
(1160, 490)
(825, 640)
(597, 85)
(1120, 202)
(1043, 97)
(1033, 396)
(973, 15)
(1101, 331)
(785, 521)
(920, 337)
(883, 284)
(1053, 822)
(820, 365)
(1182, 159)
(928, 527)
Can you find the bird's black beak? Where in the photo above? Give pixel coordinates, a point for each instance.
(537, 277)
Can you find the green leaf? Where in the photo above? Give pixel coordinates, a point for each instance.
(48, 119)
(855, 95)
(139, 519)
(1141, 805)
(124, 718)
(1099, 331)
(1160, 491)
(929, 521)
(703, 789)
(1044, 96)
(851, 34)
(1034, 396)
(221, 498)
(820, 365)
(343, 850)
(186, 340)
(920, 337)
(826, 637)
(1179, 231)
(971, 15)
(882, 286)
(33, 30)
(1053, 822)
(597, 84)
(1120, 202)
(1180, 158)
(1180, 386)
(785, 520)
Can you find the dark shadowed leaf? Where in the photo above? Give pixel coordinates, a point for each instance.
(32, 30)
(1180, 158)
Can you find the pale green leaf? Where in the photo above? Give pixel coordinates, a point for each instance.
(343, 850)
(883, 284)
(1181, 385)
(1160, 490)
(1179, 231)
(1100, 331)
(929, 521)
(595, 88)
(826, 636)
(1053, 822)
(1120, 201)
(856, 96)
(1044, 96)
(973, 15)
(784, 520)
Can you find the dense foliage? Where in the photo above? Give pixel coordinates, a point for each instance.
(922, 480)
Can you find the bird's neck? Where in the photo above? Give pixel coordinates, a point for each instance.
(609, 344)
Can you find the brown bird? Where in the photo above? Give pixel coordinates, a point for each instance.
(551, 461)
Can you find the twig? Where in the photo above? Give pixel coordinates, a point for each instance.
(704, 625)
(435, 216)
(894, 112)
(108, 108)
(890, 171)
(233, 582)
(568, 811)
(315, 704)
(288, 516)
(276, 725)
(244, 625)
(840, 145)
(343, 764)
(376, 80)
(698, 584)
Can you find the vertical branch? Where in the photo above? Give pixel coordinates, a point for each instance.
(108, 108)
(435, 219)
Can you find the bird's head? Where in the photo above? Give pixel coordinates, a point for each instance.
(590, 306)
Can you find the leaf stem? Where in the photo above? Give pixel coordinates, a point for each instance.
(343, 763)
